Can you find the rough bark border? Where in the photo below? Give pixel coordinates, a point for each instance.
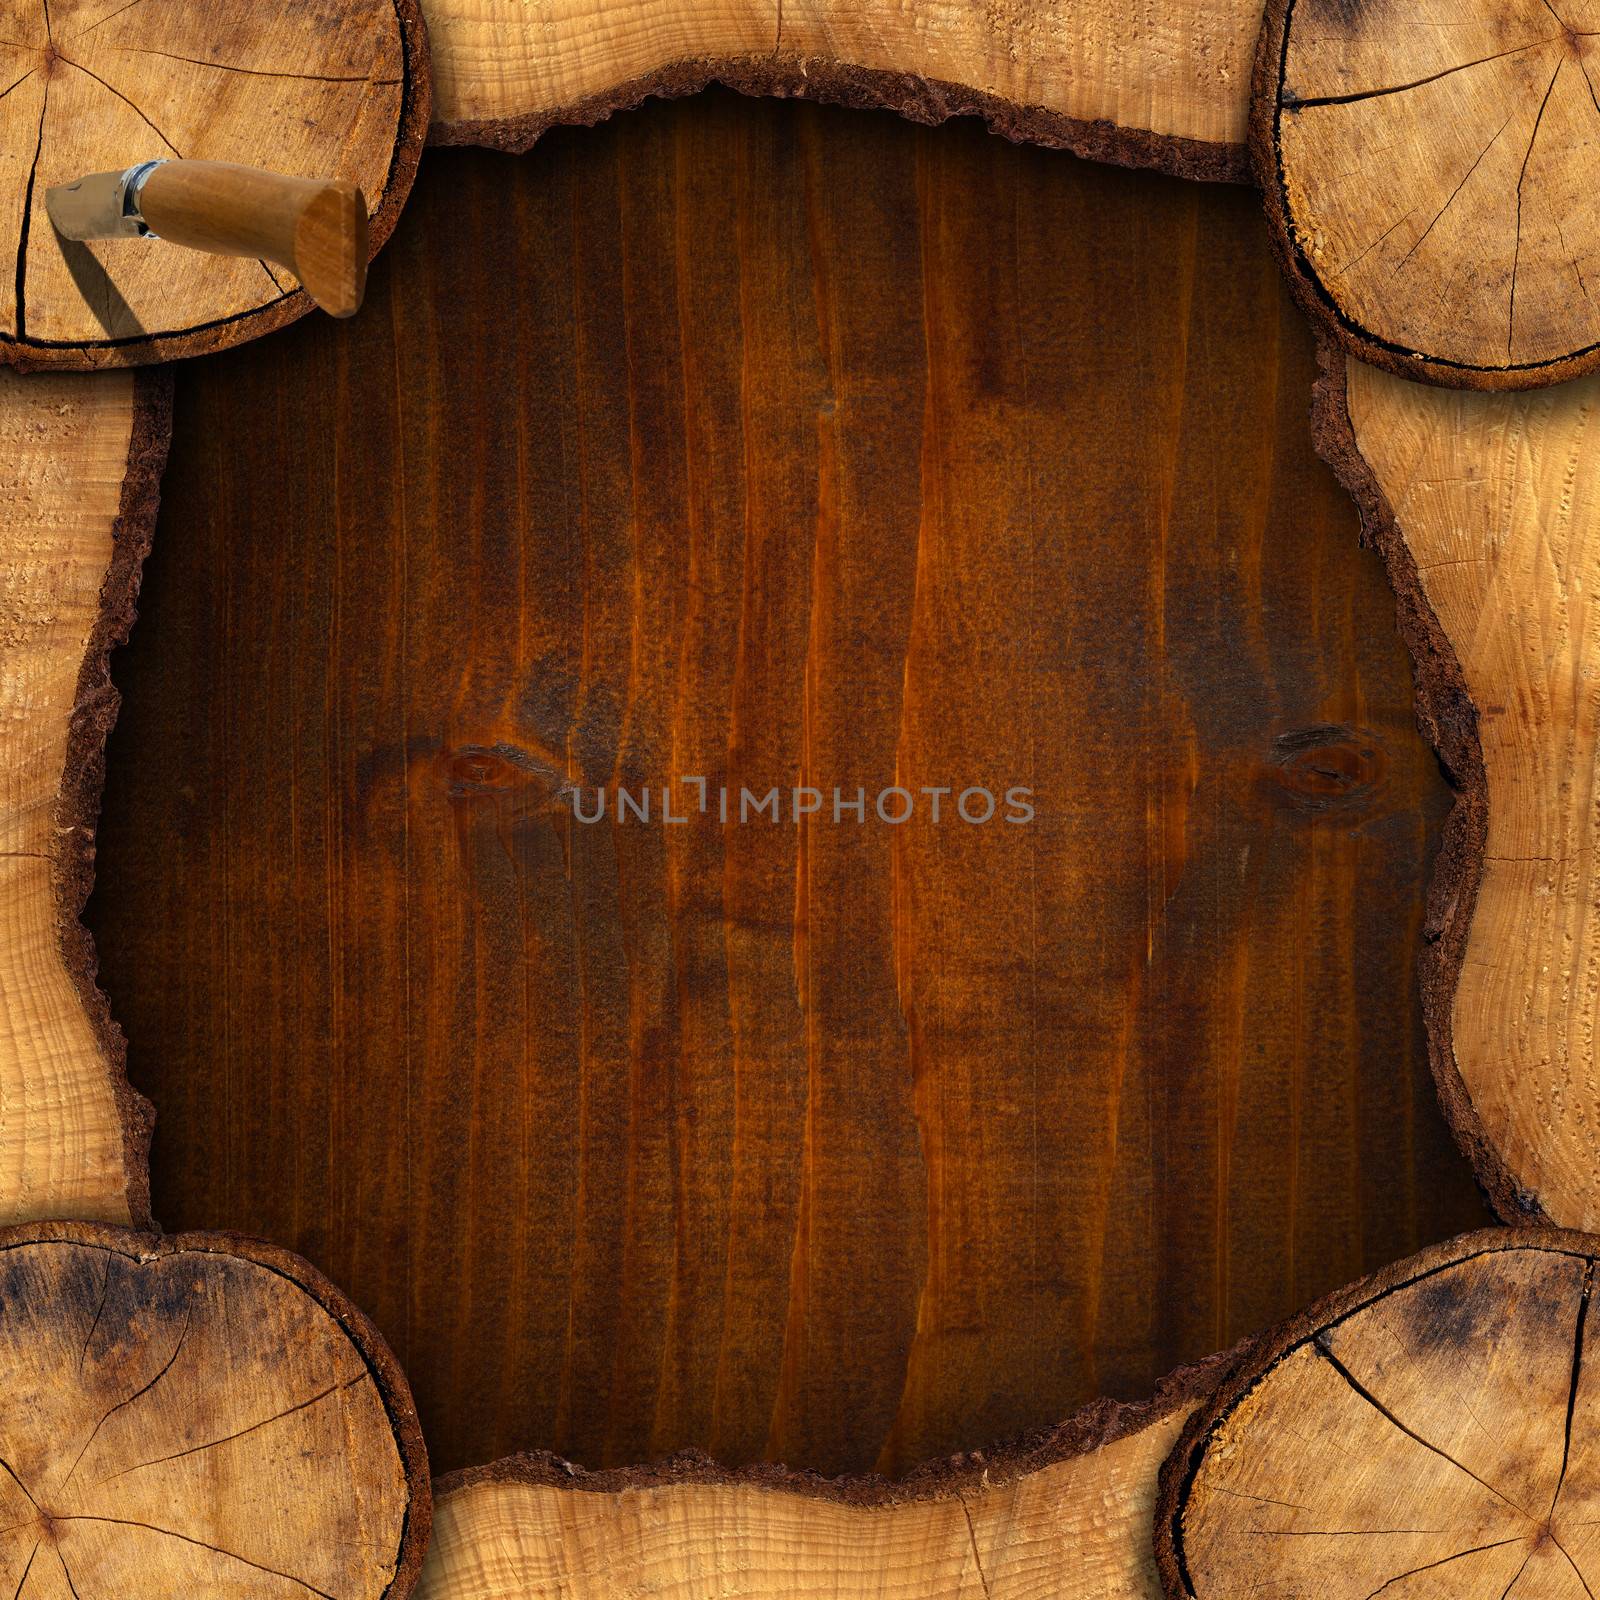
(94, 711)
(1449, 721)
(1270, 1348)
(928, 101)
(369, 1344)
(1100, 1423)
(1312, 295)
(222, 333)
(1444, 710)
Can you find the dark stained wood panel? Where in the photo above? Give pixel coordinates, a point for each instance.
(780, 446)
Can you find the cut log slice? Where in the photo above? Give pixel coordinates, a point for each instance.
(197, 1416)
(80, 461)
(1429, 174)
(331, 89)
(1431, 1432)
(1487, 510)
(1067, 1516)
(1165, 87)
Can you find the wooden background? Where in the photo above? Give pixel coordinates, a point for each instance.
(775, 445)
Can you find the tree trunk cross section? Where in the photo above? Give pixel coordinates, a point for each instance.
(1432, 1432)
(197, 1416)
(1429, 173)
(312, 88)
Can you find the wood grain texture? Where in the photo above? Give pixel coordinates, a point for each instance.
(1427, 171)
(198, 1415)
(1162, 87)
(1486, 506)
(1068, 1514)
(78, 473)
(1430, 1433)
(325, 89)
(777, 445)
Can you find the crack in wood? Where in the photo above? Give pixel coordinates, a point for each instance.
(1522, 177)
(1417, 242)
(253, 72)
(1577, 1372)
(16, 81)
(105, 1285)
(1366, 250)
(1366, 1394)
(110, 16)
(11, 1472)
(1576, 1569)
(228, 1438)
(335, 94)
(131, 105)
(1353, 97)
(1458, 1332)
(1343, 1533)
(27, 214)
(238, 1404)
(138, 1394)
(1404, 124)
(972, 1539)
(26, 1569)
(1444, 1561)
(1260, 1499)
(1516, 1577)
(172, 1533)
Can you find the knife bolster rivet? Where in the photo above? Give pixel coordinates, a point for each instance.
(133, 180)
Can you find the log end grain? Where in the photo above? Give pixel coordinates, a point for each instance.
(1427, 180)
(320, 90)
(197, 1415)
(1431, 1431)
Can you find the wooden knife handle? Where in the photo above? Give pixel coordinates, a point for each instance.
(316, 227)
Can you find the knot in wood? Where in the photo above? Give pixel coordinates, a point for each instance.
(530, 782)
(1328, 768)
(474, 769)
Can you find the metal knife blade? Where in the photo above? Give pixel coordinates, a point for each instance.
(103, 205)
